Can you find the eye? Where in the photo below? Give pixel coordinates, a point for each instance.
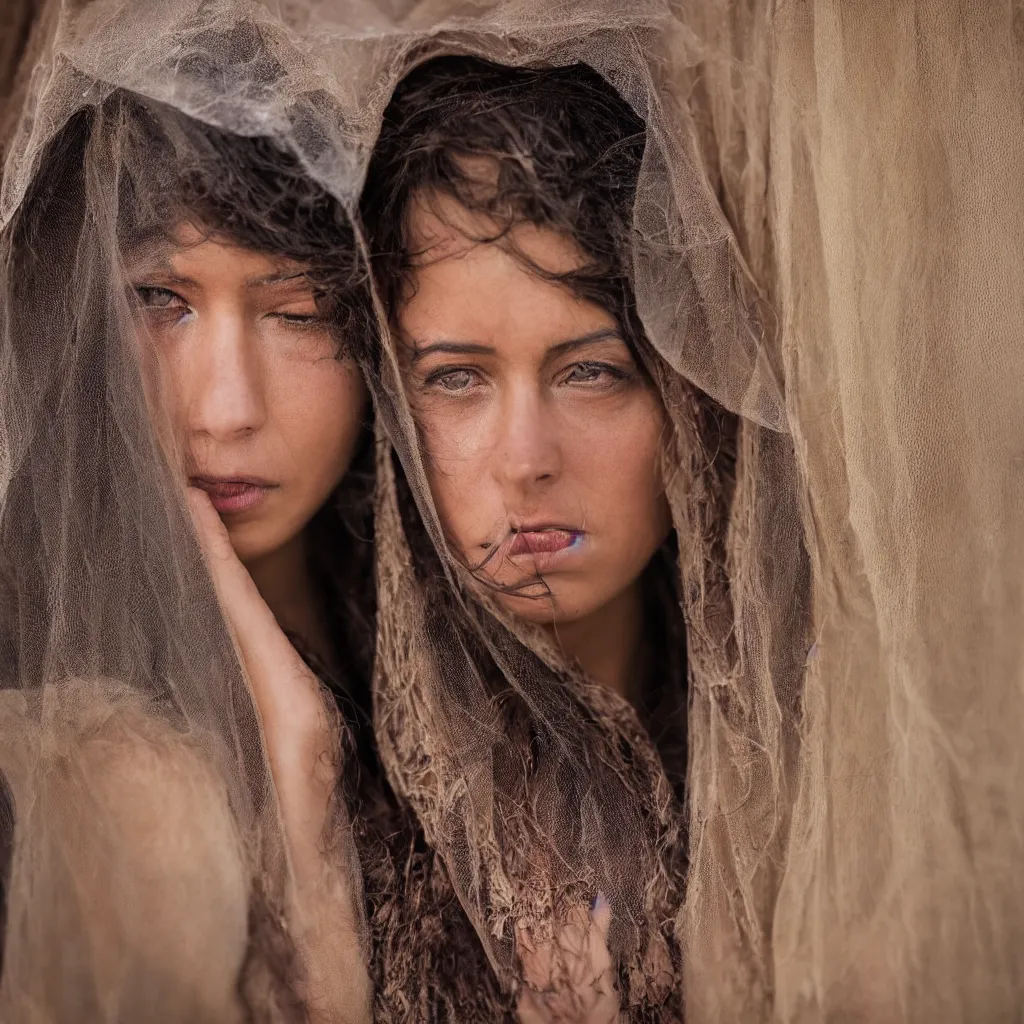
(163, 305)
(158, 298)
(453, 381)
(300, 319)
(594, 373)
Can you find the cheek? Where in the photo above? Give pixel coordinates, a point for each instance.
(618, 462)
(319, 411)
(164, 386)
(456, 462)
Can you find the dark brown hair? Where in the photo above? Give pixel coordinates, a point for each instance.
(250, 190)
(554, 147)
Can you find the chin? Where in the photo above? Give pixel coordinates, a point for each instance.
(252, 543)
(552, 609)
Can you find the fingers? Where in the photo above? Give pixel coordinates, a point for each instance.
(530, 1008)
(601, 914)
(598, 953)
(536, 958)
(210, 529)
(285, 690)
(570, 977)
(245, 609)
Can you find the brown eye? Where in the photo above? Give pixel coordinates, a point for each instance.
(164, 305)
(158, 298)
(452, 380)
(594, 373)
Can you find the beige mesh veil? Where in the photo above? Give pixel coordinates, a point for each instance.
(827, 261)
(808, 257)
(896, 160)
(145, 873)
(523, 785)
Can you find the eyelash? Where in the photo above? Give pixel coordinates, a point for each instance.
(436, 378)
(301, 321)
(168, 314)
(617, 374)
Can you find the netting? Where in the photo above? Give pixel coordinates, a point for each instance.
(825, 264)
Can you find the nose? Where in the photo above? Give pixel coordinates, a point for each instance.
(226, 399)
(528, 456)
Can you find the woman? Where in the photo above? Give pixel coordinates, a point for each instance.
(250, 300)
(498, 207)
(524, 361)
(851, 597)
(241, 290)
(545, 792)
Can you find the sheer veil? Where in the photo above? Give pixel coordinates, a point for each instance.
(826, 258)
(147, 877)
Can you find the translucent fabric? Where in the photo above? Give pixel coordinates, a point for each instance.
(539, 788)
(826, 259)
(896, 159)
(144, 871)
(826, 240)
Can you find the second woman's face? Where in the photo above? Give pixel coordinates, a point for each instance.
(266, 412)
(542, 435)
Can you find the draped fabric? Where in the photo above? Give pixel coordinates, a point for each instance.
(826, 265)
(896, 154)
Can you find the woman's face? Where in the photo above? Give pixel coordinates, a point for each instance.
(267, 414)
(542, 436)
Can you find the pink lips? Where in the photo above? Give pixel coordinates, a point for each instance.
(232, 495)
(541, 542)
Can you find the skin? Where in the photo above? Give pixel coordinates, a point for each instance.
(533, 412)
(252, 386)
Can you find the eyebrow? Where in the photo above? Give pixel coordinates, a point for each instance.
(278, 277)
(473, 348)
(164, 271)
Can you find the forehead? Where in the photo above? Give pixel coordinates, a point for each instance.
(190, 250)
(438, 227)
(485, 292)
(486, 296)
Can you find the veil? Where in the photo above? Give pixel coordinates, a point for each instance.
(539, 789)
(896, 148)
(825, 236)
(145, 875)
(826, 255)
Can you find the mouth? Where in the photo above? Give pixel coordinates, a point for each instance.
(543, 540)
(230, 495)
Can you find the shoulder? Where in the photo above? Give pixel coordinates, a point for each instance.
(124, 847)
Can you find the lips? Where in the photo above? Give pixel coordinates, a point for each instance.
(230, 495)
(543, 541)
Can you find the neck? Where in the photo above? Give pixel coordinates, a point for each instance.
(608, 644)
(286, 584)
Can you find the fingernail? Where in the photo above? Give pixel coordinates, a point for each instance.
(599, 903)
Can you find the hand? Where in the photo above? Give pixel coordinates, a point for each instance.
(570, 979)
(302, 748)
(286, 692)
